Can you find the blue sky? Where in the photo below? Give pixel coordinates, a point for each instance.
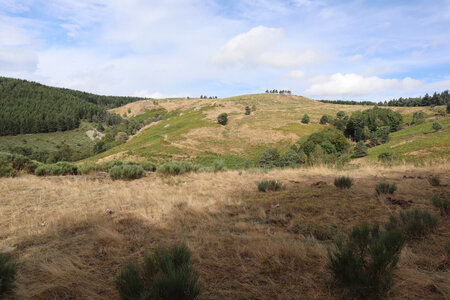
(362, 50)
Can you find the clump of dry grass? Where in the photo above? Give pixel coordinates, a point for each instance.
(71, 235)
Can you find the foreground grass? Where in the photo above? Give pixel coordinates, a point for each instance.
(71, 235)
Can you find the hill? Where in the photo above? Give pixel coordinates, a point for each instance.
(30, 107)
(188, 128)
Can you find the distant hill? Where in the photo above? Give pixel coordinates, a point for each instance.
(30, 107)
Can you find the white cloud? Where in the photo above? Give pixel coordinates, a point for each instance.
(356, 85)
(263, 46)
(297, 74)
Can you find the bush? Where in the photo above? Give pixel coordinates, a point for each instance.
(60, 168)
(436, 126)
(443, 204)
(290, 159)
(343, 182)
(166, 274)
(85, 168)
(6, 169)
(385, 157)
(176, 168)
(434, 180)
(218, 165)
(222, 119)
(270, 158)
(148, 166)
(305, 119)
(8, 272)
(360, 150)
(366, 261)
(247, 110)
(269, 185)
(385, 188)
(324, 119)
(126, 172)
(413, 223)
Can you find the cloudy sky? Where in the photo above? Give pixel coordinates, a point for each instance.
(324, 49)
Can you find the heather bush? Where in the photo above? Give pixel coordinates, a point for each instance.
(269, 185)
(126, 172)
(270, 159)
(385, 188)
(413, 222)
(177, 168)
(343, 182)
(222, 119)
(8, 272)
(434, 180)
(441, 203)
(165, 274)
(365, 262)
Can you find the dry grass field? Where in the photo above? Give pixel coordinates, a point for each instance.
(71, 235)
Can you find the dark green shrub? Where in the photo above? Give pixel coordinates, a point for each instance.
(290, 159)
(85, 168)
(305, 119)
(126, 172)
(413, 222)
(418, 118)
(60, 168)
(270, 158)
(385, 188)
(343, 182)
(6, 168)
(330, 140)
(364, 263)
(269, 185)
(360, 150)
(434, 180)
(247, 110)
(148, 166)
(380, 136)
(8, 272)
(324, 119)
(436, 126)
(385, 157)
(165, 274)
(177, 168)
(222, 119)
(443, 204)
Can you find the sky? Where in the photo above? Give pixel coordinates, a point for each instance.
(324, 49)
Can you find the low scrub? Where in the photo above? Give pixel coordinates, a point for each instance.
(385, 157)
(6, 169)
(126, 172)
(177, 168)
(8, 272)
(270, 159)
(165, 274)
(343, 182)
(269, 185)
(365, 262)
(441, 203)
(434, 180)
(60, 168)
(413, 222)
(385, 188)
(16, 162)
(148, 166)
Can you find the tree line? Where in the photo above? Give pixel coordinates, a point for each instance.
(281, 92)
(427, 100)
(29, 107)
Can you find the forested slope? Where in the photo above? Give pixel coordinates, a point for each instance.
(29, 107)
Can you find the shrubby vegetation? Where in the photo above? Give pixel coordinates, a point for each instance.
(360, 150)
(222, 119)
(176, 168)
(434, 180)
(365, 262)
(269, 185)
(343, 182)
(414, 222)
(324, 119)
(8, 272)
(166, 274)
(126, 171)
(441, 203)
(305, 119)
(270, 159)
(60, 168)
(436, 126)
(385, 188)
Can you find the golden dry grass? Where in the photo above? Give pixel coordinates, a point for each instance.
(244, 245)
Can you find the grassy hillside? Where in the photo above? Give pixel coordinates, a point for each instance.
(189, 129)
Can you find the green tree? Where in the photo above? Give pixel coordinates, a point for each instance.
(324, 119)
(305, 119)
(360, 150)
(436, 126)
(247, 110)
(222, 119)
